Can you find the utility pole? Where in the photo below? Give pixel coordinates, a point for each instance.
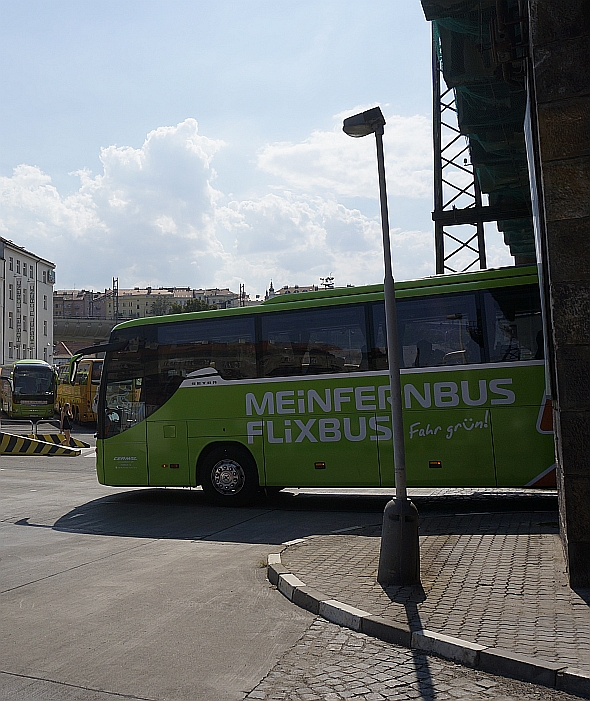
(116, 299)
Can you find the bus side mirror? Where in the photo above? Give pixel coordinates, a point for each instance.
(75, 359)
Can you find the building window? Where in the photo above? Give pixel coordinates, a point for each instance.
(24, 351)
(45, 276)
(18, 352)
(10, 320)
(45, 354)
(11, 263)
(45, 302)
(45, 328)
(10, 350)
(10, 292)
(31, 274)
(18, 266)
(24, 323)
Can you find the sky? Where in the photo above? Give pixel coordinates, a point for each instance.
(177, 143)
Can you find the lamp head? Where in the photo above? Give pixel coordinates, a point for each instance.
(365, 123)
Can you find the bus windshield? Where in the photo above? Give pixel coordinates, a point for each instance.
(143, 376)
(33, 381)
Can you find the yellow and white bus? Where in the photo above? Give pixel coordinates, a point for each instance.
(82, 393)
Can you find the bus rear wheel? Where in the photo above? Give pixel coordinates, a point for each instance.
(229, 476)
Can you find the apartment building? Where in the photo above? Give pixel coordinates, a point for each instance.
(26, 294)
(141, 302)
(71, 304)
(137, 302)
(222, 298)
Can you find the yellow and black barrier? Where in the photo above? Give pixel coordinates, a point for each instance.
(12, 444)
(58, 439)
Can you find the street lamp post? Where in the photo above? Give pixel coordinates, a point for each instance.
(399, 558)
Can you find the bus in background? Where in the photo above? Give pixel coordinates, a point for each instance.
(28, 390)
(295, 392)
(82, 392)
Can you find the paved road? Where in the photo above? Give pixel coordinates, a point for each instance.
(146, 593)
(153, 594)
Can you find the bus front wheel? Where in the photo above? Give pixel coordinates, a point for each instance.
(229, 476)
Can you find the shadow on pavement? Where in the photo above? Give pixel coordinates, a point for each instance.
(184, 514)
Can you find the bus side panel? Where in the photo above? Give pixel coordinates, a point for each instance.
(202, 432)
(125, 458)
(168, 459)
(444, 447)
(479, 423)
(336, 450)
(522, 452)
(311, 434)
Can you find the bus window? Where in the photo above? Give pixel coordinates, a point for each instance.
(96, 371)
(63, 376)
(514, 324)
(82, 373)
(314, 341)
(228, 345)
(433, 331)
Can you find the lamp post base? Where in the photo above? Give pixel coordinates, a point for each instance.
(399, 558)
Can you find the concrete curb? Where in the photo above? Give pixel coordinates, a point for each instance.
(494, 660)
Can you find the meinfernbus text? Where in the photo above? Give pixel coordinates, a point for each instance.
(295, 392)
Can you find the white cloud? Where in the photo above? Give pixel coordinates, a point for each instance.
(331, 162)
(153, 216)
(296, 239)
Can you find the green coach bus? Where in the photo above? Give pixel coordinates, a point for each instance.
(27, 390)
(295, 392)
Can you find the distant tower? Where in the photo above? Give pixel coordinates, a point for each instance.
(270, 292)
(327, 282)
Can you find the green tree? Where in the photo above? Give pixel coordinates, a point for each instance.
(193, 305)
(160, 306)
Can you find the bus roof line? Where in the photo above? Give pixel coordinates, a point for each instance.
(447, 284)
(434, 281)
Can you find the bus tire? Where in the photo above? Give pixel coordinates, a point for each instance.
(229, 476)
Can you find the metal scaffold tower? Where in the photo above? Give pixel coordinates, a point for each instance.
(457, 195)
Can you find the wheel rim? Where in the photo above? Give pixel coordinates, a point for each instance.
(228, 477)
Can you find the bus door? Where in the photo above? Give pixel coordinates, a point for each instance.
(167, 453)
(124, 452)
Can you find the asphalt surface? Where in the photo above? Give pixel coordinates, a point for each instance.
(152, 594)
(146, 593)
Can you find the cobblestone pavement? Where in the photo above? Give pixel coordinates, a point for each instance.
(330, 663)
(495, 579)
